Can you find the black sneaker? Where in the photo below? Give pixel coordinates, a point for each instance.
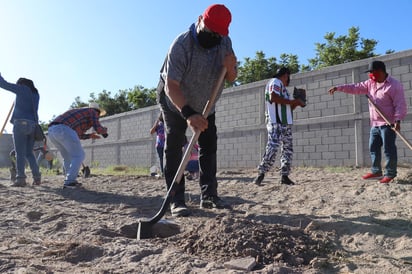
(72, 185)
(258, 180)
(19, 182)
(286, 181)
(179, 209)
(213, 202)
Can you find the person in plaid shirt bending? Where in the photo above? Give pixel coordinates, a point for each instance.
(65, 133)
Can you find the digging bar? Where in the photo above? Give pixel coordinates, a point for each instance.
(389, 123)
(144, 230)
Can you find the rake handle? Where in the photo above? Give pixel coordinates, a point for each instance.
(7, 119)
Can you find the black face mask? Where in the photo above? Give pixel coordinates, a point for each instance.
(208, 40)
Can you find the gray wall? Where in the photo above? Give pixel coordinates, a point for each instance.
(6, 145)
(329, 131)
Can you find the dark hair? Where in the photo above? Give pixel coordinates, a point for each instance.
(28, 83)
(282, 71)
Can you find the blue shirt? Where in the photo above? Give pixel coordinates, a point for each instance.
(27, 102)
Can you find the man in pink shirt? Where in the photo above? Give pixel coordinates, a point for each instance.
(387, 93)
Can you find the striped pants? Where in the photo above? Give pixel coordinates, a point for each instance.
(278, 135)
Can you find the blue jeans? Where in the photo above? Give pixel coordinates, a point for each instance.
(68, 143)
(383, 136)
(23, 139)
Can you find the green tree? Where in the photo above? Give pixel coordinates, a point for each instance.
(342, 49)
(262, 68)
(122, 101)
(140, 97)
(290, 61)
(78, 103)
(113, 105)
(257, 69)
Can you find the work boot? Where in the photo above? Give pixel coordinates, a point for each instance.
(213, 202)
(72, 184)
(179, 209)
(258, 180)
(37, 181)
(19, 182)
(286, 181)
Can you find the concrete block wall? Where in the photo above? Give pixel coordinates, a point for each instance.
(129, 142)
(329, 131)
(6, 145)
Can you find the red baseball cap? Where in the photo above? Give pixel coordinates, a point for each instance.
(217, 18)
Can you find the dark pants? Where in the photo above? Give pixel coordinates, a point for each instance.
(175, 129)
(159, 150)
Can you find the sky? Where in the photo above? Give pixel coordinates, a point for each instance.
(72, 48)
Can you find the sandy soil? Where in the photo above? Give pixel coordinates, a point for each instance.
(329, 222)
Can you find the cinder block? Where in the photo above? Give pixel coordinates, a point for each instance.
(325, 84)
(339, 81)
(400, 70)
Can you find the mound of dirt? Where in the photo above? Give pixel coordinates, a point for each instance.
(227, 237)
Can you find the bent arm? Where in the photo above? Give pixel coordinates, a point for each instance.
(175, 94)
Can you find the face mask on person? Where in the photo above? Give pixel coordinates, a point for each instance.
(373, 76)
(208, 39)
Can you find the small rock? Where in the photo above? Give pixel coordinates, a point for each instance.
(246, 264)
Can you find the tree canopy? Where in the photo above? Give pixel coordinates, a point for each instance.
(342, 49)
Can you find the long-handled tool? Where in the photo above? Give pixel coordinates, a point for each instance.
(389, 123)
(145, 227)
(7, 119)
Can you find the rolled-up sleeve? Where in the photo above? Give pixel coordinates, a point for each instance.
(358, 88)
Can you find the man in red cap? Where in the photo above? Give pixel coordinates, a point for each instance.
(187, 78)
(388, 95)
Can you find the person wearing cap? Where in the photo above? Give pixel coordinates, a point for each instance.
(279, 105)
(387, 93)
(66, 131)
(188, 75)
(24, 120)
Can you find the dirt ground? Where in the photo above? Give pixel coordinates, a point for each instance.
(331, 221)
